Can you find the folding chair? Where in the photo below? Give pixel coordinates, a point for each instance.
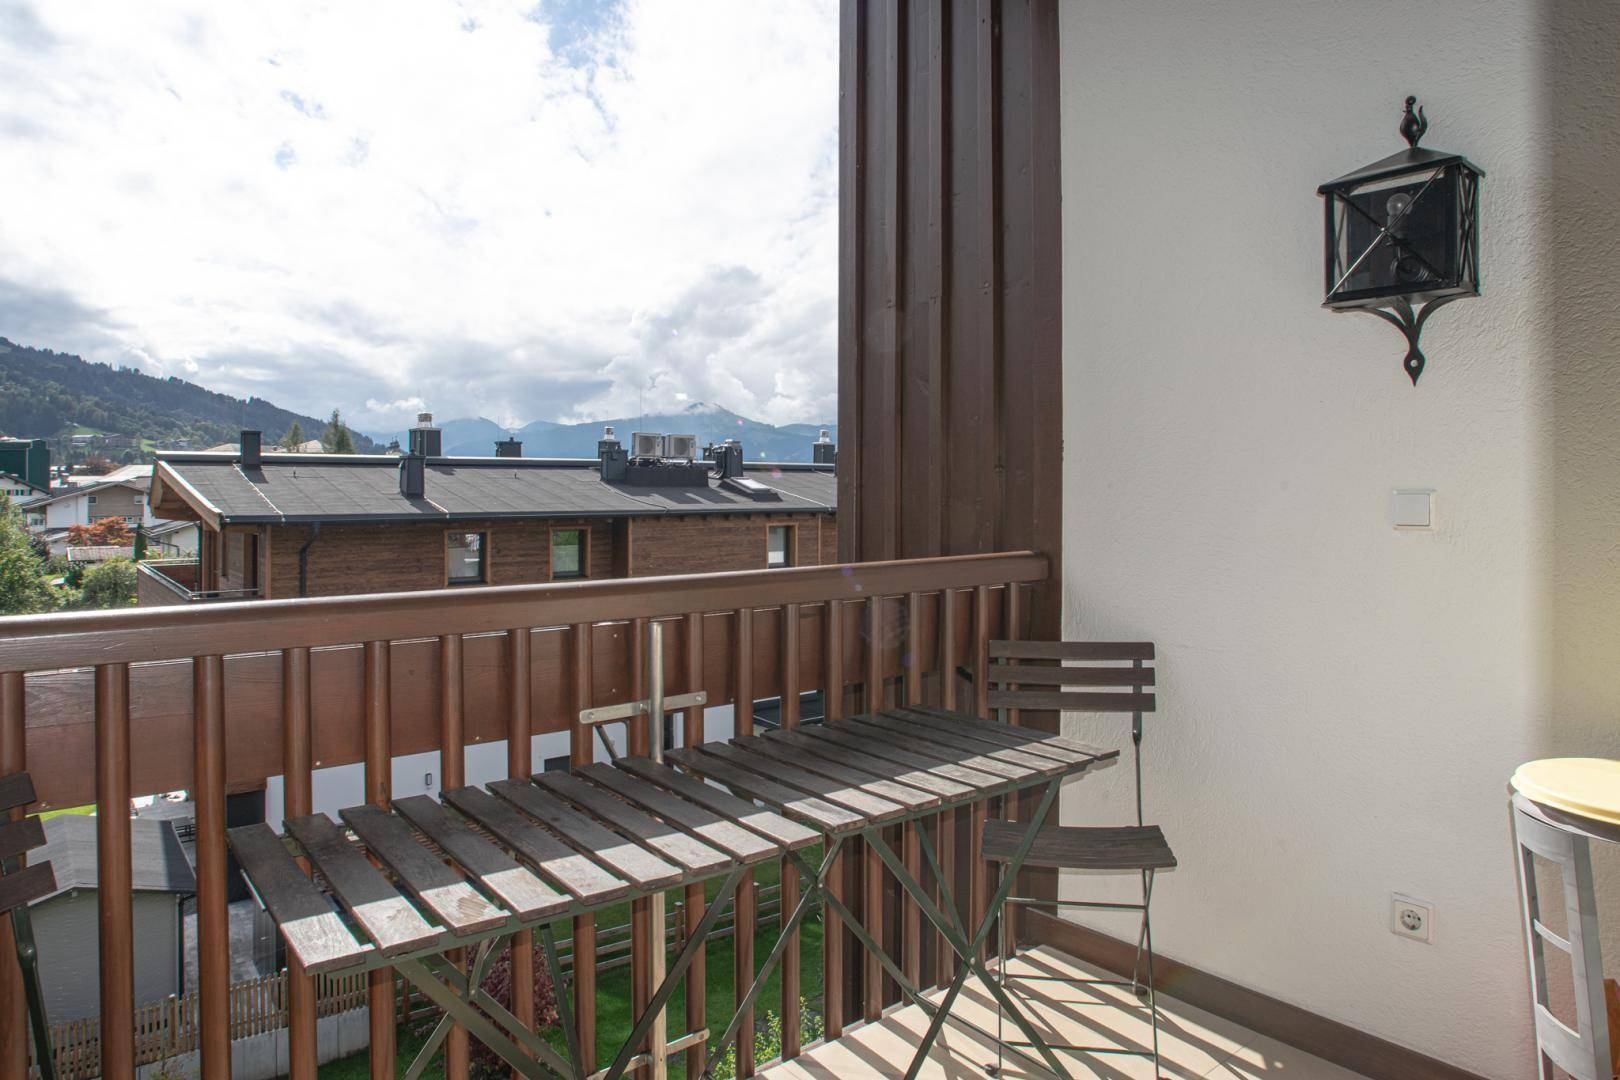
(1031, 675)
(20, 885)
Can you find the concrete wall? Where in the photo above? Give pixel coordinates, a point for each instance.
(1342, 703)
(69, 956)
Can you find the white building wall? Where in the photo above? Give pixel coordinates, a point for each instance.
(1342, 703)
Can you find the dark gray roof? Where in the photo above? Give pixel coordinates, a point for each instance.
(158, 862)
(330, 487)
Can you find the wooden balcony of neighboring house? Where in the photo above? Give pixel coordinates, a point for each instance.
(161, 582)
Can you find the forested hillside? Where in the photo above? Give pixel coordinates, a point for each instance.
(51, 395)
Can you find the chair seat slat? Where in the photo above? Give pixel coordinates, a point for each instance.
(1130, 847)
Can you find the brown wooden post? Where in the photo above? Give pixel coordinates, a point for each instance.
(910, 844)
(641, 914)
(452, 775)
(581, 752)
(520, 766)
(213, 926)
(978, 878)
(872, 882)
(697, 977)
(833, 949)
(13, 758)
(745, 903)
(113, 893)
(379, 790)
(792, 967)
(298, 800)
(944, 965)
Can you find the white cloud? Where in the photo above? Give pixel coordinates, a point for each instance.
(488, 207)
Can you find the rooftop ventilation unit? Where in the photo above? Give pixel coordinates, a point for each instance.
(646, 445)
(680, 447)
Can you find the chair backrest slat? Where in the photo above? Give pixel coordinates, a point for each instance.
(1071, 699)
(1029, 675)
(1071, 650)
(16, 789)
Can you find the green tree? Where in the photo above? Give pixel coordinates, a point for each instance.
(336, 439)
(109, 584)
(294, 437)
(23, 588)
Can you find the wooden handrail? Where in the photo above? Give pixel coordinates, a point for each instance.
(77, 639)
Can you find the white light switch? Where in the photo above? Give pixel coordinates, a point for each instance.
(1411, 509)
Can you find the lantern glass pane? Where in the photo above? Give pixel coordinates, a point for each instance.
(1398, 236)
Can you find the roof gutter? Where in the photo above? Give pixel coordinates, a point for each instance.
(303, 559)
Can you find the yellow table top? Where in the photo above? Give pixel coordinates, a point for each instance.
(1586, 787)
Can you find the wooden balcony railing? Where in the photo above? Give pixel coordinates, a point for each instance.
(104, 706)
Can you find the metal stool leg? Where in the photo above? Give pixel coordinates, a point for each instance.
(1152, 987)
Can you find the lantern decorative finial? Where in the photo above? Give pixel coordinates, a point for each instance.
(1413, 125)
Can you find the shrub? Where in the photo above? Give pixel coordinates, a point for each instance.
(109, 584)
(485, 1063)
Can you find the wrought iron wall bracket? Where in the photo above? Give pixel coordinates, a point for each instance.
(1410, 324)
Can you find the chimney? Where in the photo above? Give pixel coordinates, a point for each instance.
(727, 457)
(508, 448)
(251, 444)
(425, 439)
(413, 476)
(824, 451)
(610, 453)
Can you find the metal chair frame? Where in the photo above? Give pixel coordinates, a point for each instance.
(1143, 990)
(20, 789)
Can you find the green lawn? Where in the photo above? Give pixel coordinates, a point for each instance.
(613, 1018)
(86, 810)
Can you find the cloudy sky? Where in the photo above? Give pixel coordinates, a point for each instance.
(544, 209)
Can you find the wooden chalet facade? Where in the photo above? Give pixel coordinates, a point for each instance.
(289, 525)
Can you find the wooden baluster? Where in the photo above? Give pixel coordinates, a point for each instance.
(298, 799)
(581, 752)
(641, 913)
(697, 976)
(113, 893)
(911, 932)
(453, 774)
(745, 903)
(978, 878)
(872, 883)
(945, 959)
(520, 766)
(379, 786)
(833, 947)
(13, 758)
(792, 970)
(213, 926)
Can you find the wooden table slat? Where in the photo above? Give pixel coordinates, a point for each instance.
(1029, 739)
(906, 756)
(425, 875)
(766, 822)
(973, 759)
(644, 869)
(837, 792)
(315, 932)
(370, 898)
(511, 883)
(803, 742)
(674, 844)
(701, 822)
(836, 766)
(818, 813)
(553, 859)
(958, 740)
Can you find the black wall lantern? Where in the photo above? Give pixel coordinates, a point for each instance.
(1404, 232)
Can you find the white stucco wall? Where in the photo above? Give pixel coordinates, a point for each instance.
(1342, 703)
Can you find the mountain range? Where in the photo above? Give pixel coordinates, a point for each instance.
(476, 437)
(52, 395)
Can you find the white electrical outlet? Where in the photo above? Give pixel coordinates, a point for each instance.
(1411, 918)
